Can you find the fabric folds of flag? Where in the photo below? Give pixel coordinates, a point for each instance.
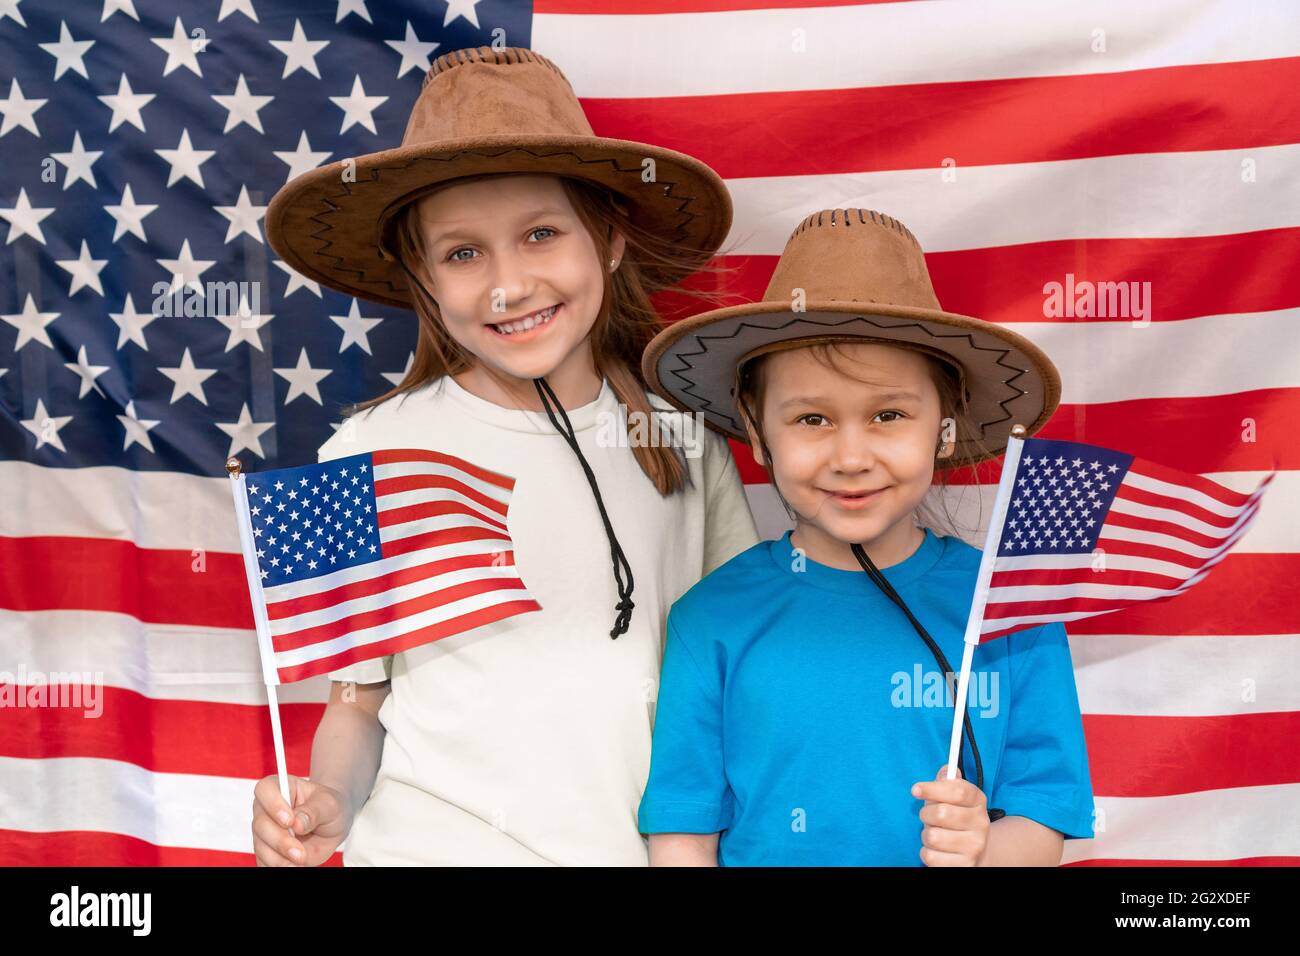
(1089, 530)
(367, 555)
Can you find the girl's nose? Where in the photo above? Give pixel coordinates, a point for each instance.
(851, 451)
(510, 278)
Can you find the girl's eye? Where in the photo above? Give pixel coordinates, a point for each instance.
(543, 229)
(454, 255)
(804, 418)
(891, 412)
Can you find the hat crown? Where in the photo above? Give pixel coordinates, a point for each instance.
(852, 255)
(482, 91)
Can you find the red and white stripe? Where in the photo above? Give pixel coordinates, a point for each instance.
(1169, 156)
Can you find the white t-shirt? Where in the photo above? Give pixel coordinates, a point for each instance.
(527, 741)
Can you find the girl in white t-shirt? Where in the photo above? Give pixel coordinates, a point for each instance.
(528, 248)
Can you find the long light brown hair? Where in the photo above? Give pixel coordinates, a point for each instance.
(625, 324)
(933, 510)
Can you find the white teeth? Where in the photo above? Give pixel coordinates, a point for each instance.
(523, 325)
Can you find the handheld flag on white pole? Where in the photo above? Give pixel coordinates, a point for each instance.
(976, 617)
(1078, 530)
(368, 555)
(264, 649)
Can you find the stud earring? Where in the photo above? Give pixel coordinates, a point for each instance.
(613, 264)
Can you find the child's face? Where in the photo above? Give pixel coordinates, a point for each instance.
(831, 434)
(499, 250)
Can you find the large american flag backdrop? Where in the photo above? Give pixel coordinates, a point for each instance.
(1026, 144)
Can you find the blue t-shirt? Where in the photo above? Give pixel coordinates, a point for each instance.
(798, 706)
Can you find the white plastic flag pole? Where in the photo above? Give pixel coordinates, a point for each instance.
(1001, 504)
(264, 648)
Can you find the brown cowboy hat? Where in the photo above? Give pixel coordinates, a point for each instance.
(864, 279)
(484, 110)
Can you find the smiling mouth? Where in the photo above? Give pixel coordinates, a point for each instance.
(852, 498)
(529, 322)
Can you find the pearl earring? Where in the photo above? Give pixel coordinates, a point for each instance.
(613, 263)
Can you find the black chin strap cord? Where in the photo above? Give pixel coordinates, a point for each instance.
(883, 583)
(621, 566)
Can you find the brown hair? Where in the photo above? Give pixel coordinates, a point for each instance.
(625, 324)
(751, 387)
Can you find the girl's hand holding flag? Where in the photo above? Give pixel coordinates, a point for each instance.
(321, 818)
(956, 819)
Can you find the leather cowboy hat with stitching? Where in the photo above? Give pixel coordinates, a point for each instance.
(864, 278)
(484, 110)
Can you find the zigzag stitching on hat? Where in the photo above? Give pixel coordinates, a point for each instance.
(487, 54)
(324, 227)
(682, 203)
(877, 217)
(708, 406)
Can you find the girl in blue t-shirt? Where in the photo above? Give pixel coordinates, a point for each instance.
(804, 704)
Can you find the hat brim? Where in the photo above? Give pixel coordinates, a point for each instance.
(328, 227)
(1009, 380)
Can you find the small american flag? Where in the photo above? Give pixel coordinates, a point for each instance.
(1089, 530)
(368, 555)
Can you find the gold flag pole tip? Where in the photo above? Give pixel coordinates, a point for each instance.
(233, 466)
